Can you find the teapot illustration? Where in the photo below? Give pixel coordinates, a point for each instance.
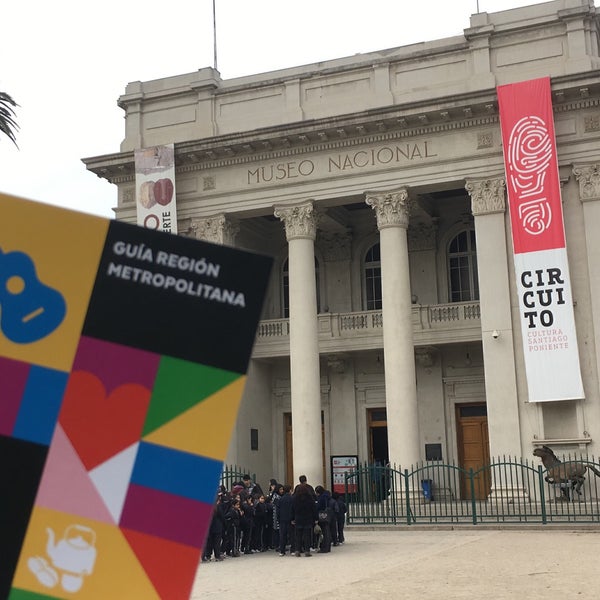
(74, 554)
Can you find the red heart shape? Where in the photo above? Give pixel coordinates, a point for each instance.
(100, 426)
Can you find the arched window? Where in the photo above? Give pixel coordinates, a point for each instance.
(372, 275)
(285, 288)
(462, 267)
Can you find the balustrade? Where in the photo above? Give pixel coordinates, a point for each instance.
(436, 323)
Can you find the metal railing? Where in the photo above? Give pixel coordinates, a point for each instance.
(509, 490)
(232, 474)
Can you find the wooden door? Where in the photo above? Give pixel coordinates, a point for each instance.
(289, 451)
(473, 448)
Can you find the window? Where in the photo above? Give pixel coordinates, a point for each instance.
(285, 288)
(462, 267)
(373, 278)
(253, 439)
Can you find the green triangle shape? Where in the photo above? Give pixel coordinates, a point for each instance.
(18, 594)
(179, 385)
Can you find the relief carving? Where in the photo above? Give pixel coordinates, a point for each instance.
(128, 195)
(391, 208)
(300, 221)
(425, 356)
(588, 177)
(485, 140)
(487, 195)
(422, 237)
(336, 363)
(209, 183)
(335, 245)
(218, 229)
(591, 123)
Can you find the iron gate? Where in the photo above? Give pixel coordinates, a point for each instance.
(508, 490)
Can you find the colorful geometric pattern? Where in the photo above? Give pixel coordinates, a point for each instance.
(121, 373)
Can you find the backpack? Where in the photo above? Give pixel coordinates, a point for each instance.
(333, 506)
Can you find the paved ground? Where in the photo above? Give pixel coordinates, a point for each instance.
(531, 564)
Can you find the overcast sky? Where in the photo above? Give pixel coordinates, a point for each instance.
(66, 63)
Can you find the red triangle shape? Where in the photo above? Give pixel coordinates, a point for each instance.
(171, 567)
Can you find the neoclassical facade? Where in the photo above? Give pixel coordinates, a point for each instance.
(390, 331)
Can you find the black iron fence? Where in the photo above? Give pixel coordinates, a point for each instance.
(509, 490)
(232, 474)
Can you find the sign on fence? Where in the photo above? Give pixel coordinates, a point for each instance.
(341, 466)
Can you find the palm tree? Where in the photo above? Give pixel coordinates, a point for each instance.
(8, 125)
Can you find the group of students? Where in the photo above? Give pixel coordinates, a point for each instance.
(245, 520)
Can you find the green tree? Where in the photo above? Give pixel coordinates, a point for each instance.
(8, 125)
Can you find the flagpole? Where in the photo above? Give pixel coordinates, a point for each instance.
(214, 36)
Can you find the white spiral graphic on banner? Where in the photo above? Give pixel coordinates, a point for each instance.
(535, 216)
(529, 156)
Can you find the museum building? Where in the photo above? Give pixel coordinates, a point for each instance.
(391, 330)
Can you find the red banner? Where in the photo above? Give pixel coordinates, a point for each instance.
(540, 255)
(531, 165)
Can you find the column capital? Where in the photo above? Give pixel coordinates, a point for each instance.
(337, 362)
(487, 195)
(300, 220)
(335, 245)
(218, 229)
(422, 236)
(391, 208)
(588, 176)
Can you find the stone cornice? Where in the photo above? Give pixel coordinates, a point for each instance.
(120, 168)
(453, 113)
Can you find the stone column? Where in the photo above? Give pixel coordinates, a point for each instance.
(392, 210)
(588, 176)
(300, 227)
(217, 229)
(489, 206)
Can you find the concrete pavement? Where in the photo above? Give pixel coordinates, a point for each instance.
(532, 564)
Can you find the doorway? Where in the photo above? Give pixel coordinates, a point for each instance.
(378, 436)
(473, 448)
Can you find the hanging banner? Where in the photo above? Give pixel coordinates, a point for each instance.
(123, 354)
(540, 253)
(155, 188)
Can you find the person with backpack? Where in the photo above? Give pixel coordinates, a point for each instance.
(340, 517)
(325, 513)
